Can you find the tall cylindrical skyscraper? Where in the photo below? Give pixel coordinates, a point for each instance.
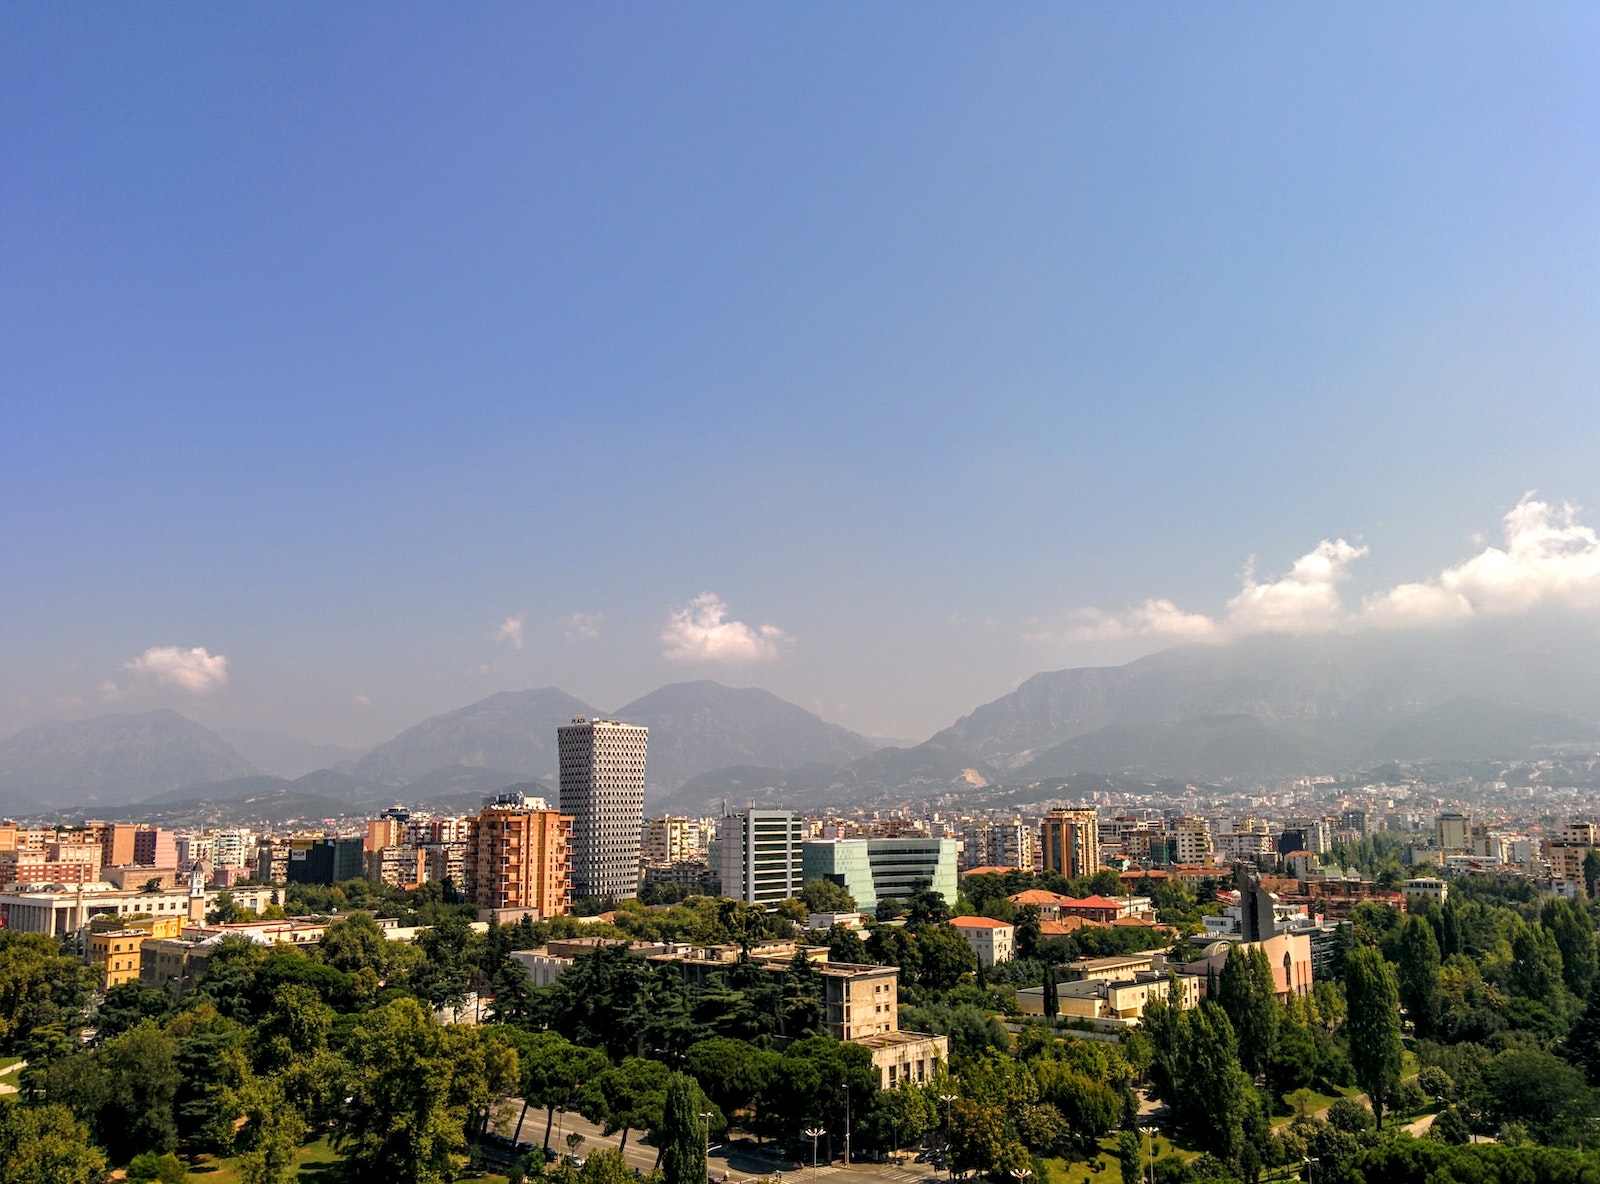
(602, 788)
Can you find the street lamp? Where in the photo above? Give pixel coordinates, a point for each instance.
(813, 1133)
(1020, 1174)
(1311, 1162)
(706, 1118)
(1150, 1152)
(949, 1160)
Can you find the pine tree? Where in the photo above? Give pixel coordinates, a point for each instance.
(1372, 1025)
(1248, 995)
(683, 1134)
(1052, 1001)
(1418, 973)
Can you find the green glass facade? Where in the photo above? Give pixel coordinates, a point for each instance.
(873, 869)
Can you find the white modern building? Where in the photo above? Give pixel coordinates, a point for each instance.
(760, 856)
(602, 788)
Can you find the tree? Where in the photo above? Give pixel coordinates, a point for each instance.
(977, 1135)
(1536, 970)
(1372, 1025)
(46, 1145)
(733, 1073)
(1417, 972)
(1215, 1085)
(1591, 873)
(1248, 995)
(945, 957)
(39, 986)
(554, 1071)
(626, 1098)
(1350, 1115)
(270, 1136)
(1568, 923)
(845, 945)
(355, 943)
(1130, 1155)
(126, 1004)
(297, 1027)
(802, 997)
(890, 909)
(413, 1087)
(593, 1003)
(1028, 929)
(1052, 1002)
(1450, 1127)
(824, 896)
(927, 907)
(1543, 1093)
(210, 1061)
(515, 999)
(683, 1133)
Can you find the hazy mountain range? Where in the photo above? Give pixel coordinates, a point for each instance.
(1261, 708)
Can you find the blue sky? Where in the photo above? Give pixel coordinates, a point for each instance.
(395, 355)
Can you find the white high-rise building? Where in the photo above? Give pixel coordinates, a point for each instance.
(760, 852)
(234, 848)
(602, 788)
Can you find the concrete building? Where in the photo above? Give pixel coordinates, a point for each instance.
(56, 863)
(1425, 888)
(1011, 844)
(871, 870)
(1288, 954)
(1190, 840)
(1069, 842)
(114, 951)
(903, 1058)
(760, 854)
(64, 912)
(518, 859)
(1118, 999)
(195, 849)
(154, 847)
(992, 941)
(234, 847)
(674, 840)
(1452, 832)
(602, 791)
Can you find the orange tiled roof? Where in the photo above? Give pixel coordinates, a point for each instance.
(1040, 896)
(1068, 925)
(979, 923)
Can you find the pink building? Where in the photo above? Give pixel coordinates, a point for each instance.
(155, 847)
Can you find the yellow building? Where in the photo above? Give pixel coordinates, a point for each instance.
(116, 953)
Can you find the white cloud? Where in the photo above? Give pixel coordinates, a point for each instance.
(1549, 558)
(701, 632)
(192, 670)
(1153, 618)
(1305, 600)
(510, 631)
(583, 626)
(363, 701)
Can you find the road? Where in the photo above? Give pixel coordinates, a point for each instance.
(739, 1164)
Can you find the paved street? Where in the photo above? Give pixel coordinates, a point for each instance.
(740, 1164)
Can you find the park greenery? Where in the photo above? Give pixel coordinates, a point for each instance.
(1479, 1017)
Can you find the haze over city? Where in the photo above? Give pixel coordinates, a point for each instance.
(357, 369)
